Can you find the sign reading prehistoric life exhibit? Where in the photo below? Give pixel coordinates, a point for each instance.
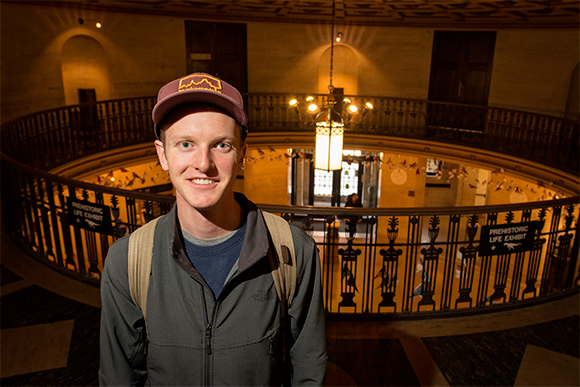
(90, 216)
(507, 238)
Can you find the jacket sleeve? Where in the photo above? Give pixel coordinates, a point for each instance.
(122, 337)
(307, 321)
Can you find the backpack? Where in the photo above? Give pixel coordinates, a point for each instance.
(283, 269)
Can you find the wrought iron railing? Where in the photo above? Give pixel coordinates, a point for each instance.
(48, 139)
(544, 139)
(398, 261)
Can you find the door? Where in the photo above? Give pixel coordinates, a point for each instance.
(218, 49)
(89, 118)
(460, 73)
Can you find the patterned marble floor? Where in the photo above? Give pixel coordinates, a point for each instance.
(50, 325)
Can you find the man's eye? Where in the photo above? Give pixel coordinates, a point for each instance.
(184, 145)
(223, 146)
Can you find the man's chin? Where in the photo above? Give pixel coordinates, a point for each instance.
(196, 203)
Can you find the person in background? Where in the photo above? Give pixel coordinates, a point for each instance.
(352, 200)
(213, 314)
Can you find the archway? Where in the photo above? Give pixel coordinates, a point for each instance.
(344, 73)
(85, 66)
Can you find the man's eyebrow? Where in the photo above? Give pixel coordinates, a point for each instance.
(225, 137)
(181, 137)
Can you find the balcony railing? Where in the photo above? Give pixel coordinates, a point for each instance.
(400, 261)
(48, 139)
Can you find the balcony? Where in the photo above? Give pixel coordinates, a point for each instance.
(401, 261)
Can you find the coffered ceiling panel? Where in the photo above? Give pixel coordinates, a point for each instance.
(411, 13)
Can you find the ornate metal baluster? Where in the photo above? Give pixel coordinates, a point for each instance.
(54, 220)
(390, 267)
(348, 277)
(535, 256)
(426, 289)
(45, 236)
(78, 239)
(413, 240)
(66, 234)
(551, 251)
(448, 274)
(91, 245)
(562, 258)
(31, 213)
(104, 244)
(519, 264)
(369, 261)
(467, 267)
(485, 268)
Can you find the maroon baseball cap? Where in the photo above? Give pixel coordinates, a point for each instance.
(199, 87)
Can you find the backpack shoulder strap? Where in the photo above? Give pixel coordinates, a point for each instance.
(139, 263)
(283, 271)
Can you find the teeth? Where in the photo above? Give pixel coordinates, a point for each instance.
(202, 181)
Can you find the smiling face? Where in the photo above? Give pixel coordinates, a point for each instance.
(202, 150)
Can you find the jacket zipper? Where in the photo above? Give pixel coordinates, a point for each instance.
(208, 338)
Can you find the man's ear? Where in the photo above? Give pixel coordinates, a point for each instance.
(161, 155)
(242, 156)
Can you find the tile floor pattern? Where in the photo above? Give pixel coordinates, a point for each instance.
(50, 325)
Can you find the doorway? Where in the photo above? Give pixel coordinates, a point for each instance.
(89, 118)
(461, 69)
(314, 187)
(219, 49)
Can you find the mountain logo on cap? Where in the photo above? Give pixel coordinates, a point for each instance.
(204, 82)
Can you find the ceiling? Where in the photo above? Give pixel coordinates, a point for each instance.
(404, 13)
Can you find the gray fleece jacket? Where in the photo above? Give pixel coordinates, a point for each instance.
(193, 339)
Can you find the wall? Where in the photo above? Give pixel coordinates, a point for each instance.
(85, 65)
(402, 184)
(143, 53)
(392, 61)
(266, 176)
(402, 181)
(503, 188)
(532, 69)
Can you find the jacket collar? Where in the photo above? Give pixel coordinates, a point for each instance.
(255, 244)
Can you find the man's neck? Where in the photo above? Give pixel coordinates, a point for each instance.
(211, 223)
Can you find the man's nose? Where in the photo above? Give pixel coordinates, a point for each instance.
(203, 159)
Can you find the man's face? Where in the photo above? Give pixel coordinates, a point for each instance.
(203, 152)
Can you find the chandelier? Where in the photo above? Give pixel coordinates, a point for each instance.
(329, 123)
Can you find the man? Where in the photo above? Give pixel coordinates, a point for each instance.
(352, 201)
(213, 314)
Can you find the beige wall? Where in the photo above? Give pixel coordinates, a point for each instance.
(391, 61)
(532, 68)
(504, 188)
(401, 185)
(142, 52)
(266, 176)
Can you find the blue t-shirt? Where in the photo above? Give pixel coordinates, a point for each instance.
(215, 258)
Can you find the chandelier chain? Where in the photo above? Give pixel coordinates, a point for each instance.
(330, 87)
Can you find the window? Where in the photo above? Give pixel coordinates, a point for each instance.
(322, 182)
(349, 179)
